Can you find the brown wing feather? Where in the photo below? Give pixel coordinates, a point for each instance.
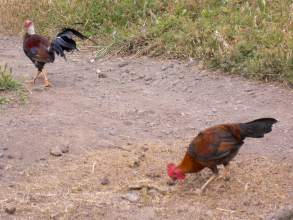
(216, 142)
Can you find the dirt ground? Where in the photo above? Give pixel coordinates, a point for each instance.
(123, 120)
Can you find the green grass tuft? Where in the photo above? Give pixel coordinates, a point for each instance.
(7, 82)
(11, 90)
(6, 79)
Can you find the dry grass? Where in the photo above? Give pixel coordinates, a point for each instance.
(13, 12)
(69, 188)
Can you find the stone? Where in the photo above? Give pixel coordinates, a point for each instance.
(56, 151)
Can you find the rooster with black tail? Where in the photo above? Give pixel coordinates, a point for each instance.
(41, 51)
(218, 145)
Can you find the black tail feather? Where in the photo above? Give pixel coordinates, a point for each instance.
(64, 41)
(257, 128)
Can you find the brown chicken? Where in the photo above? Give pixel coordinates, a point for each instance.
(218, 145)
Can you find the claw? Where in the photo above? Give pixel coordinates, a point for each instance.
(47, 83)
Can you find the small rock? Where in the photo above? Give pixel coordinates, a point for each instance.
(1, 155)
(123, 64)
(43, 158)
(65, 149)
(5, 148)
(102, 75)
(105, 181)
(9, 156)
(135, 164)
(148, 79)
(132, 196)
(56, 151)
(92, 60)
(246, 203)
(98, 71)
(10, 210)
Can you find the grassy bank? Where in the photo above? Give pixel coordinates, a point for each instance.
(252, 38)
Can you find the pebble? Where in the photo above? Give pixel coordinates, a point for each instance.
(9, 156)
(65, 149)
(123, 64)
(56, 151)
(10, 210)
(132, 196)
(135, 164)
(105, 181)
(102, 75)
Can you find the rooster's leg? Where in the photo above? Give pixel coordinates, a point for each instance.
(214, 176)
(46, 81)
(226, 173)
(200, 191)
(35, 78)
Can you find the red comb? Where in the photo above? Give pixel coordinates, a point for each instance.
(171, 167)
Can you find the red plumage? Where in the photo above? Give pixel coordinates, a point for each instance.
(218, 145)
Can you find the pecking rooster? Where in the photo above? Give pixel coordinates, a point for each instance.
(218, 145)
(41, 51)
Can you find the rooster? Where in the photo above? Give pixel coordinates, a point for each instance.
(217, 145)
(41, 51)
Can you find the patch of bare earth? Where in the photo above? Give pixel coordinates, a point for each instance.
(122, 120)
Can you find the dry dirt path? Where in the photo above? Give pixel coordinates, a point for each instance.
(131, 102)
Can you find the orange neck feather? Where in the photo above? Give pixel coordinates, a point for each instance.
(189, 165)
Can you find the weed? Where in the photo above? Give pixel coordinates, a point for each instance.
(6, 79)
(11, 90)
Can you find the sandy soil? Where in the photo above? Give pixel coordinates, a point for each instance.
(125, 119)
